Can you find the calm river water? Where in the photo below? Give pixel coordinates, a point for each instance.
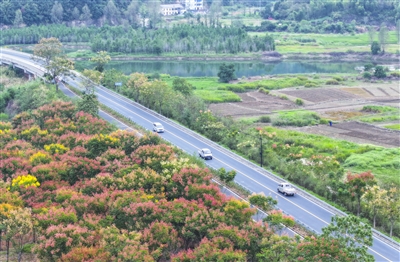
(209, 68)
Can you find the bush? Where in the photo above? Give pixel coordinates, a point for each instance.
(367, 75)
(368, 67)
(379, 72)
(296, 118)
(332, 82)
(302, 78)
(264, 119)
(310, 84)
(263, 90)
(338, 78)
(299, 102)
(395, 74)
(284, 97)
(236, 88)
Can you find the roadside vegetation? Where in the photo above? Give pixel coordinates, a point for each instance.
(381, 114)
(111, 195)
(316, 163)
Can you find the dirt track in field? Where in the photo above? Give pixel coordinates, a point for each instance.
(336, 103)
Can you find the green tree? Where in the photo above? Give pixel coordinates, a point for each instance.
(111, 12)
(261, 201)
(58, 66)
(379, 72)
(86, 14)
(18, 20)
(226, 73)
(371, 34)
(57, 13)
(357, 184)
(226, 176)
(47, 49)
(373, 200)
(89, 104)
(183, 86)
(76, 14)
(391, 207)
(132, 12)
(101, 59)
(18, 226)
(354, 237)
(375, 48)
(383, 37)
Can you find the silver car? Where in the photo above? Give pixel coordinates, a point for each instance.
(158, 127)
(286, 189)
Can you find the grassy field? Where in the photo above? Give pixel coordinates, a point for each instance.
(305, 43)
(383, 163)
(382, 114)
(394, 127)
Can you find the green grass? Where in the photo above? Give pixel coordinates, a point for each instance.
(383, 163)
(394, 127)
(380, 114)
(296, 118)
(291, 42)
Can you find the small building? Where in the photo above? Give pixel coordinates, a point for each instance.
(172, 9)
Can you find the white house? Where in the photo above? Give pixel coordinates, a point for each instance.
(172, 9)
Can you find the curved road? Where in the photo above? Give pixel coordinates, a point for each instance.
(304, 208)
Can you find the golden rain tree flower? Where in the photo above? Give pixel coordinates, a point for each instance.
(24, 180)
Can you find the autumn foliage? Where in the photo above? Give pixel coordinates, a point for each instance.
(95, 194)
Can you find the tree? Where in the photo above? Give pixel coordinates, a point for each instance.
(261, 201)
(86, 14)
(18, 226)
(383, 36)
(373, 199)
(76, 14)
(111, 12)
(101, 59)
(154, 12)
(375, 48)
(226, 73)
(379, 72)
(357, 184)
(226, 176)
(354, 237)
(89, 104)
(47, 49)
(371, 34)
(60, 65)
(57, 13)
(18, 20)
(391, 207)
(132, 12)
(183, 86)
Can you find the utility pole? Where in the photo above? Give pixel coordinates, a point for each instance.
(261, 150)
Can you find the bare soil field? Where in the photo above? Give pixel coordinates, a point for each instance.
(338, 103)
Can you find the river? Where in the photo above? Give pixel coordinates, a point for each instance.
(210, 68)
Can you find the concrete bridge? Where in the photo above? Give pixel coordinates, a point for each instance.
(12, 58)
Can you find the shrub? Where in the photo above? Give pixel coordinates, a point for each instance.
(395, 74)
(332, 82)
(263, 90)
(296, 118)
(302, 78)
(284, 97)
(310, 84)
(338, 78)
(367, 75)
(236, 88)
(379, 72)
(264, 119)
(368, 67)
(299, 102)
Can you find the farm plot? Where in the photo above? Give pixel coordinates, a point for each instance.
(320, 95)
(253, 104)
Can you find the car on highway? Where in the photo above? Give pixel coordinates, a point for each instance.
(205, 153)
(286, 189)
(158, 127)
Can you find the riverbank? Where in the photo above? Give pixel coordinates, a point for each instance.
(266, 56)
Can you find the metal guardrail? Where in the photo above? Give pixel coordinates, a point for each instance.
(32, 68)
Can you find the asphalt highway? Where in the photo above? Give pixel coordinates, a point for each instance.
(304, 208)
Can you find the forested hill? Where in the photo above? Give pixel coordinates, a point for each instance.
(361, 11)
(39, 12)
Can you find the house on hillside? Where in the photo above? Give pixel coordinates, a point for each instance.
(172, 9)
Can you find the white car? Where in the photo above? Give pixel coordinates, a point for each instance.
(205, 153)
(286, 189)
(158, 127)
